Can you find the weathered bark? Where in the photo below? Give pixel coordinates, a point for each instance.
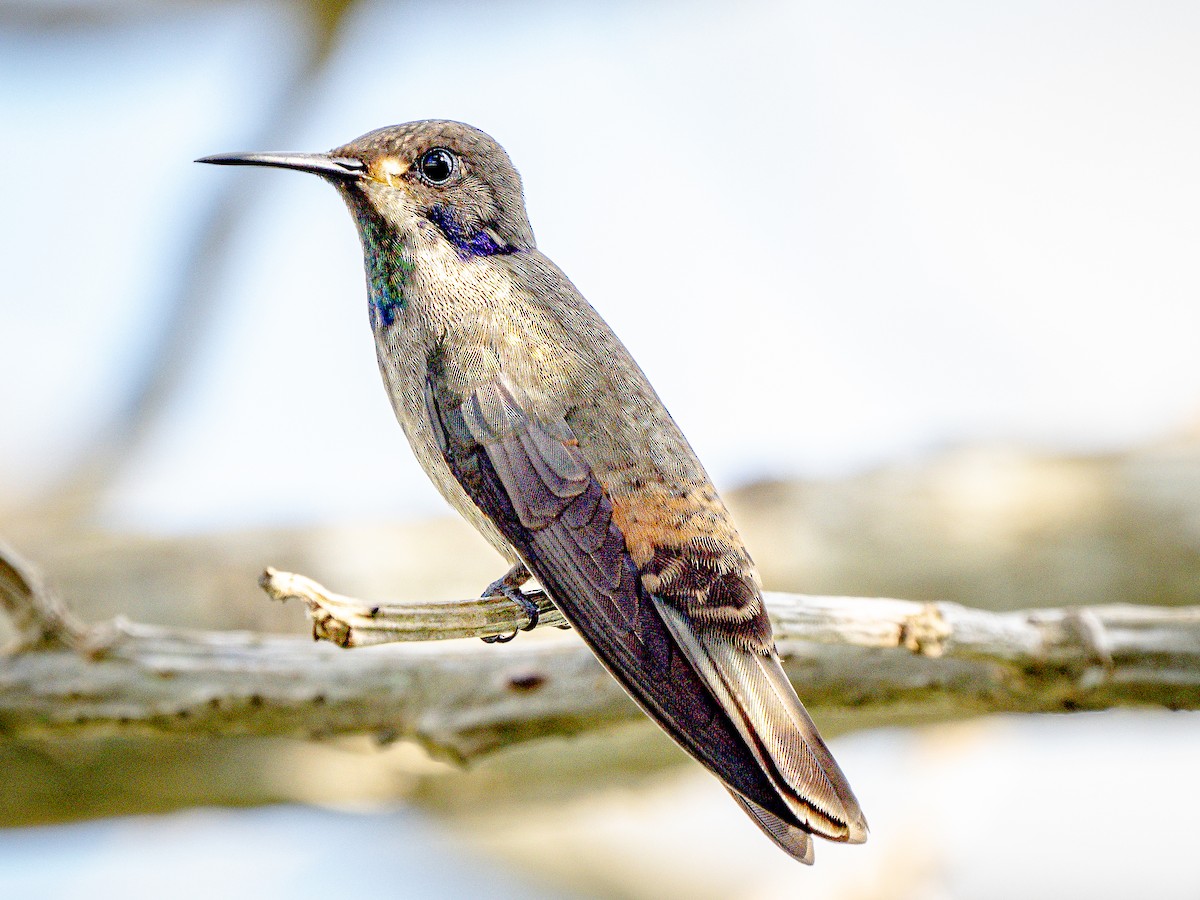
(860, 661)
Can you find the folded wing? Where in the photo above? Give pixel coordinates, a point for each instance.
(730, 708)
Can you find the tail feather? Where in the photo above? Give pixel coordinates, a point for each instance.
(792, 839)
(754, 692)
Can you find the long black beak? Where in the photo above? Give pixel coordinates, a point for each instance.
(337, 167)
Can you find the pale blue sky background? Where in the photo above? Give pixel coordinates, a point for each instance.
(832, 235)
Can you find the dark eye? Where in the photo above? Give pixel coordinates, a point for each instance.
(437, 165)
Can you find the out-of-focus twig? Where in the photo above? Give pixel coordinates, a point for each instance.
(191, 303)
(40, 618)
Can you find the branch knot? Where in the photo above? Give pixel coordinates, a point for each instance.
(924, 632)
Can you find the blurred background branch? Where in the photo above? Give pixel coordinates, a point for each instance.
(190, 305)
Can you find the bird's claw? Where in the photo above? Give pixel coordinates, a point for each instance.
(517, 596)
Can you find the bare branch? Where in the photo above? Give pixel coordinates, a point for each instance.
(357, 623)
(857, 662)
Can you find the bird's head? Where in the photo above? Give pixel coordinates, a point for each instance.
(438, 178)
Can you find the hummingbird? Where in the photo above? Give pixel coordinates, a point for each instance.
(536, 424)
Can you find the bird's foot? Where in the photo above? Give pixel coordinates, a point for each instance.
(509, 585)
(517, 596)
